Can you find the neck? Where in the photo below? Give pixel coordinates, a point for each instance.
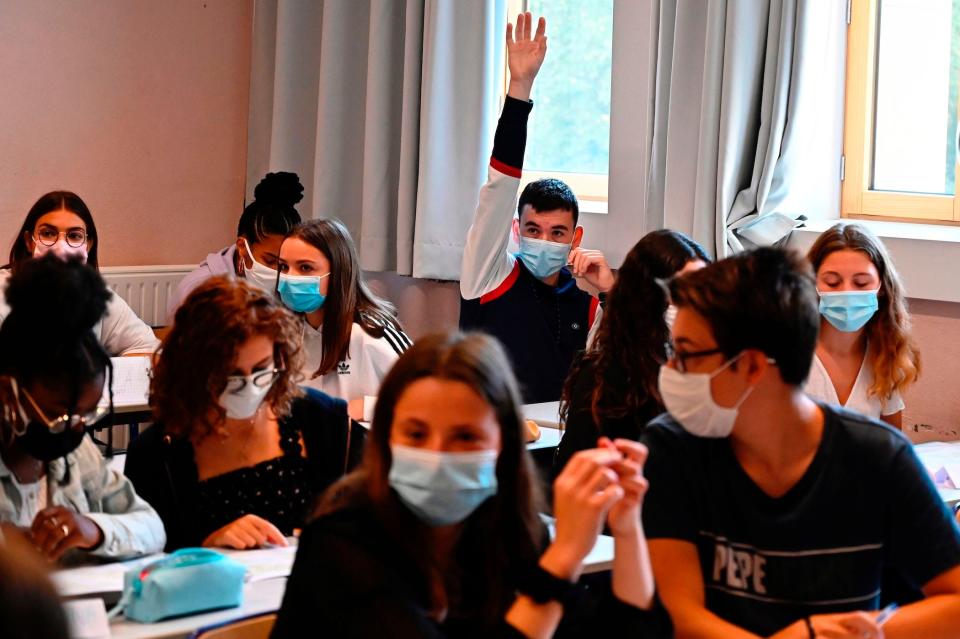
(25, 468)
(552, 280)
(444, 540)
(239, 431)
(315, 318)
(795, 431)
(837, 342)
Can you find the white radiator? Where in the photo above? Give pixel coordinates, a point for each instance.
(147, 289)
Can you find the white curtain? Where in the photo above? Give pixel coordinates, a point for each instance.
(386, 109)
(747, 118)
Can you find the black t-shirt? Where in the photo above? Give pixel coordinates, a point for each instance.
(864, 505)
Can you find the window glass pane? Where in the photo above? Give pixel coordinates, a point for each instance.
(916, 96)
(570, 125)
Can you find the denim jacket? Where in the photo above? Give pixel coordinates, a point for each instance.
(82, 482)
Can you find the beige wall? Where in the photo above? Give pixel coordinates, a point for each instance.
(137, 105)
(933, 405)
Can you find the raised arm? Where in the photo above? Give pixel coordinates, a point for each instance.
(486, 262)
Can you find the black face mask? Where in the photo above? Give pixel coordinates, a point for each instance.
(41, 443)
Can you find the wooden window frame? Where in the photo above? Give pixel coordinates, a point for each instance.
(858, 200)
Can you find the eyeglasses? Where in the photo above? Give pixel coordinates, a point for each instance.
(64, 422)
(680, 358)
(260, 379)
(48, 236)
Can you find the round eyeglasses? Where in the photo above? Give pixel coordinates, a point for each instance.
(48, 236)
(260, 379)
(64, 422)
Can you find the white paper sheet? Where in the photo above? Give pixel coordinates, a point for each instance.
(131, 382)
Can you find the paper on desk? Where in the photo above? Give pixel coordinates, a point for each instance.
(942, 461)
(131, 382)
(87, 619)
(88, 580)
(265, 563)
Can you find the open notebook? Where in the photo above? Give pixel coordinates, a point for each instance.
(131, 383)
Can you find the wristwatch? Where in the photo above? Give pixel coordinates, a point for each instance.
(544, 587)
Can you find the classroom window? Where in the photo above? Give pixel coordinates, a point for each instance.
(569, 134)
(900, 133)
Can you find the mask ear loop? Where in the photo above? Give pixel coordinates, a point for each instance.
(10, 414)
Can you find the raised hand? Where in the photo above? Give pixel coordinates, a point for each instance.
(525, 54)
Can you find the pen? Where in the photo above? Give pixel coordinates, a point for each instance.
(886, 613)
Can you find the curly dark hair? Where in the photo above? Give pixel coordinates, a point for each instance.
(197, 355)
(629, 346)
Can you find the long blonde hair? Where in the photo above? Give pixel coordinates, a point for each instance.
(893, 353)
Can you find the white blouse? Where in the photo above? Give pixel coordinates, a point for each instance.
(359, 376)
(819, 386)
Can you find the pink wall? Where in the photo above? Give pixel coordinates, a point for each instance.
(140, 107)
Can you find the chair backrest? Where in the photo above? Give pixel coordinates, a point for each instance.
(258, 627)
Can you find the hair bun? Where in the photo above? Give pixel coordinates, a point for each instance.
(58, 299)
(282, 188)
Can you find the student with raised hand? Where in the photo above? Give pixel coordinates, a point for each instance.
(255, 254)
(529, 301)
(612, 387)
(55, 485)
(437, 534)
(239, 451)
(865, 356)
(769, 514)
(351, 337)
(60, 223)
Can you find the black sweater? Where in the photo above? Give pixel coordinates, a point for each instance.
(350, 579)
(581, 431)
(164, 473)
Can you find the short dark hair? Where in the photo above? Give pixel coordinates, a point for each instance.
(765, 299)
(48, 203)
(272, 211)
(549, 194)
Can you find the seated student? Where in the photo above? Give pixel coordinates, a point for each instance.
(612, 387)
(865, 356)
(54, 483)
(253, 257)
(60, 223)
(437, 533)
(351, 337)
(769, 514)
(238, 451)
(529, 301)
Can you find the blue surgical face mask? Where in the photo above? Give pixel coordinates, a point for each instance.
(301, 293)
(541, 257)
(443, 488)
(849, 311)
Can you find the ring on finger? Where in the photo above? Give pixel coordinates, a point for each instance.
(65, 530)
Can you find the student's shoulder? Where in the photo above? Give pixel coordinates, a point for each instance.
(376, 335)
(867, 435)
(666, 432)
(313, 404)
(350, 534)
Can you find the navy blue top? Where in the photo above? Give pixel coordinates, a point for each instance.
(864, 509)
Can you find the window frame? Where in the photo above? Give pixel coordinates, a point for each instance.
(592, 189)
(858, 200)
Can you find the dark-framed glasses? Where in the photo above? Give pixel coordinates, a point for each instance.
(48, 236)
(680, 358)
(260, 379)
(63, 422)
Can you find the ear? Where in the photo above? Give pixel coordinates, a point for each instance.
(246, 261)
(90, 244)
(577, 237)
(516, 229)
(28, 241)
(755, 363)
